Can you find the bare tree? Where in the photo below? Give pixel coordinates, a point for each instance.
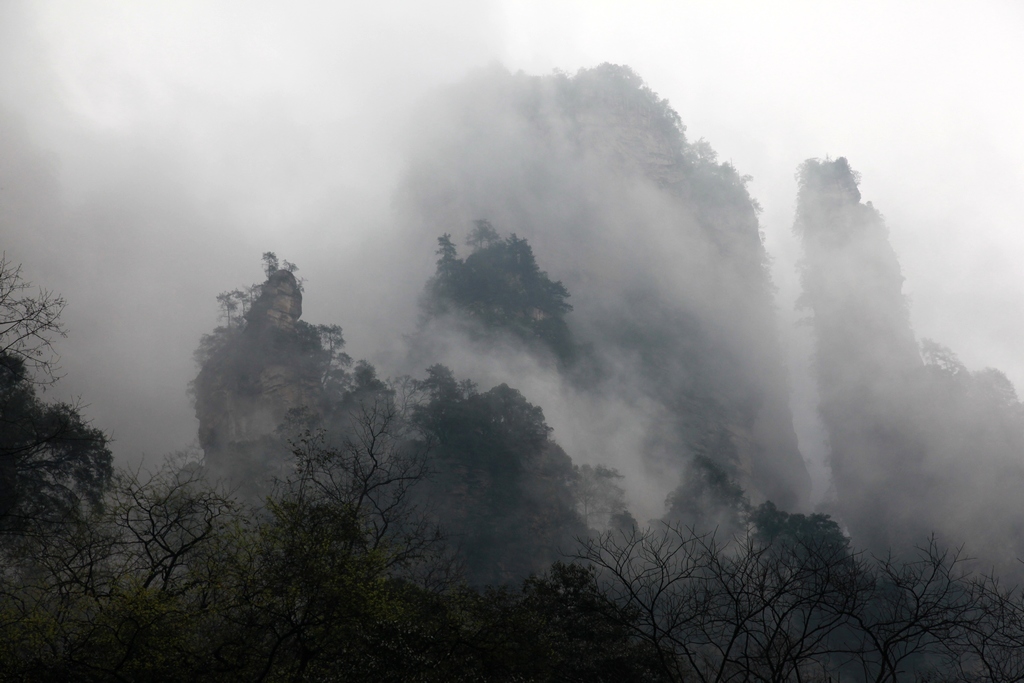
(993, 649)
(165, 522)
(28, 324)
(371, 471)
(912, 618)
(807, 609)
(739, 611)
(114, 584)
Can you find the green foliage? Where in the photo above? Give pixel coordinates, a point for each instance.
(483, 235)
(271, 264)
(817, 530)
(121, 590)
(502, 487)
(253, 338)
(234, 306)
(173, 580)
(51, 460)
(501, 287)
(317, 350)
(559, 627)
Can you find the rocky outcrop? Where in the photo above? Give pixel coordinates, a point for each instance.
(259, 372)
(659, 244)
(740, 395)
(279, 306)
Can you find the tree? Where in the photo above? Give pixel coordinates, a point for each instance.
(28, 324)
(913, 616)
(994, 648)
(369, 469)
(483, 235)
(270, 263)
(599, 497)
(500, 287)
(343, 558)
(447, 261)
(790, 602)
(130, 590)
(559, 626)
(502, 487)
(708, 498)
(772, 525)
(172, 579)
(51, 460)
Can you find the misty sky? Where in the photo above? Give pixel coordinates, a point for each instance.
(150, 152)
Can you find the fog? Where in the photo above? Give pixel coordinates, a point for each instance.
(149, 155)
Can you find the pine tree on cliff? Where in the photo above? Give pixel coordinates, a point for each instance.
(258, 368)
(866, 355)
(669, 276)
(500, 287)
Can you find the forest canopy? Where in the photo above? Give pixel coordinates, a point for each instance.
(520, 489)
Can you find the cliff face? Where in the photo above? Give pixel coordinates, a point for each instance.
(657, 242)
(257, 374)
(866, 355)
(919, 445)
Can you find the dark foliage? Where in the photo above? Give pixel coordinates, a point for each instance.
(800, 606)
(773, 525)
(172, 580)
(502, 487)
(51, 460)
(501, 287)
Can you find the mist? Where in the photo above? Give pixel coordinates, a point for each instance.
(149, 155)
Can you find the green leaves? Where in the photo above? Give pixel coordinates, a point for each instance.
(501, 287)
(500, 486)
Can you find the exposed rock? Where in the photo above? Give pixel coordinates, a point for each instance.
(280, 304)
(258, 374)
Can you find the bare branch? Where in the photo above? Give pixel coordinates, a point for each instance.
(28, 324)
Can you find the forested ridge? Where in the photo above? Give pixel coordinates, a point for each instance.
(341, 521)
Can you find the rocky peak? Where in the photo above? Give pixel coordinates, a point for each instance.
(280, 304)
(246, 389)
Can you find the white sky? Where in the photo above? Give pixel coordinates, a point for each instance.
(182, 139)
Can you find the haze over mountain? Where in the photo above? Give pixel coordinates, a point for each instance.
(659, 247)
(150, 157)
(511, 341)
